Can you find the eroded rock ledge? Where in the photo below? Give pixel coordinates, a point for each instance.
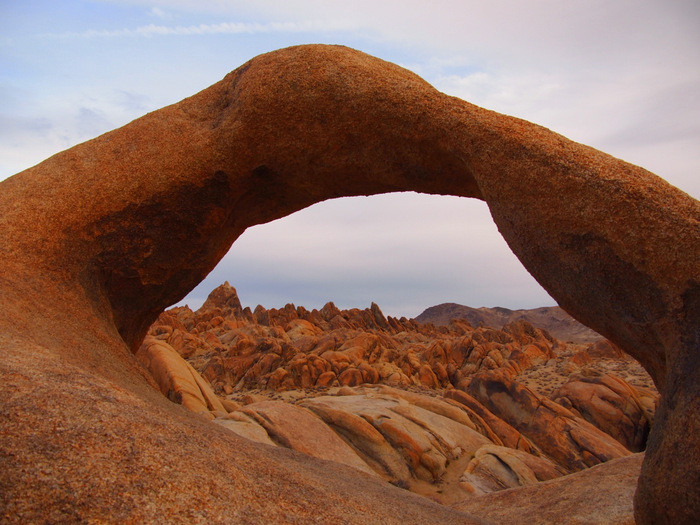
(99, 239)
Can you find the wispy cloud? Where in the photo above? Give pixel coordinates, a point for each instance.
(160, 13)
(223, 28)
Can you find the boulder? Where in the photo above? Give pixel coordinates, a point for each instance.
(297, 428)
(612, 405)
(571, 441)
(177, 379)
(490, 425)
(370, 444)
(497, 468)
(423, 440)
(246, 427)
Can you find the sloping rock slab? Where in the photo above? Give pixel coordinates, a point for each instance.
(601, 495)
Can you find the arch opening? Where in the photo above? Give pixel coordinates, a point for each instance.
(405, 251)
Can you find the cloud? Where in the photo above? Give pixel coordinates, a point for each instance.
(221, 28)
(34, 128)
(157, 12)
(23, 142)
(89, 121)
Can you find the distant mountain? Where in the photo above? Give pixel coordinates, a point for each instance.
(552, 318)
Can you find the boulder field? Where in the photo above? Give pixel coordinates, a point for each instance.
(440, 411)
(98, 240)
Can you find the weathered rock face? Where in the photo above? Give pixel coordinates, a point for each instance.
(447, 448)
(292, 347)
(177, 379)
(100, 238)
(617, 408)
(496, 468)
(601, 495)
(573, 442)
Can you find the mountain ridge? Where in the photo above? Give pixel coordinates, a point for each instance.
(552, 318)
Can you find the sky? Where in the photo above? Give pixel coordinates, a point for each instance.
(622, 76)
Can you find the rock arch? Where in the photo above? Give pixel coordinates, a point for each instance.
(100, 238)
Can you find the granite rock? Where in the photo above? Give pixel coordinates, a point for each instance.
(99, 239)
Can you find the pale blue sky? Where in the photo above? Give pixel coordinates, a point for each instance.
(622, 76)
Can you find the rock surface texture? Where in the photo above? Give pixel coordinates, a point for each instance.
(99, 239)
(601, 495)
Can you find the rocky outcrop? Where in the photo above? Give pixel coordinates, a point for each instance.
(426, 444)
(571, 441)
(497, 468)
(428, 437)
(611, 404)
(296, 428)
(292, 347)
(99, 239)
(177, 379)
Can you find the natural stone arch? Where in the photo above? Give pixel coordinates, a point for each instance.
(349, 247)
(126, 224)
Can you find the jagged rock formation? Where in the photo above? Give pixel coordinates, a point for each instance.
(552, 318)
(408, 438)
(99, 239)
(317, 382)
(292, 347)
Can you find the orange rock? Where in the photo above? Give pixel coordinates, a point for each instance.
(488, 424)
(497, 468)
(605, 349)
(364, 438)
(427, 377)
(177, 379)
(245, 426)
(326, 378)
(569, 440)
(425, 440)
(297, 428)
(94, 259)
(350, 377)
(298, 328)
(280, 379)
(611, 404)
(369, 373)
(566, 499)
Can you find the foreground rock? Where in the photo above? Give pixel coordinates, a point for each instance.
(99, 239)
(601, 495)
(429, 445)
